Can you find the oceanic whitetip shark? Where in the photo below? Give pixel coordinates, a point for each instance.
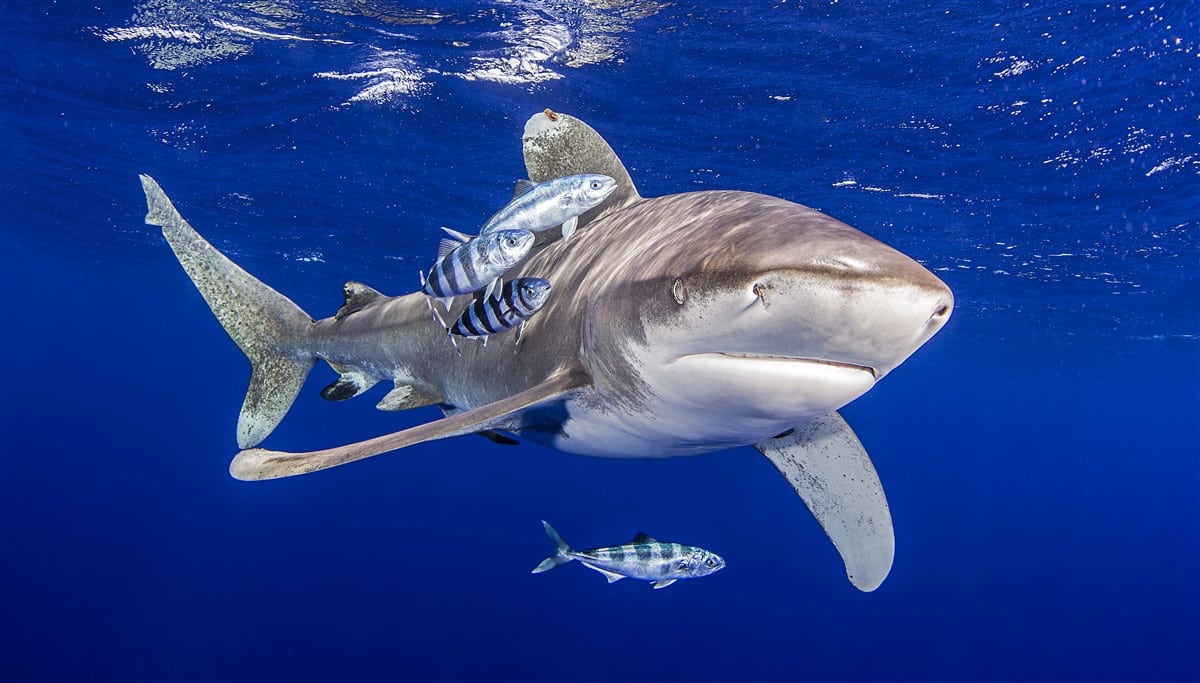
(679, 325)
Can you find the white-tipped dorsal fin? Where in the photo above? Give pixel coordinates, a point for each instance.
(523, 186)
(557, 145)
(828, 467)
(447, 246)
(460, 236)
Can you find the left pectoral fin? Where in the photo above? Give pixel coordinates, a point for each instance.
(828, 467)
(256, 464)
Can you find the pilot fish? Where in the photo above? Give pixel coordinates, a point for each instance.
(642, 558)
(560, 201)
(507, 307)
(465, 267)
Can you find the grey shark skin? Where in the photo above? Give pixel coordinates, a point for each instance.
(680, 324)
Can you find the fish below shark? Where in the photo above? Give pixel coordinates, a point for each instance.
(680, 325)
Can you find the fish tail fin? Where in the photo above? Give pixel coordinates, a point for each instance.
(265, 324)
(562, 551)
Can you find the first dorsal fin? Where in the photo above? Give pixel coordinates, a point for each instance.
(643, 538)
(523, 186)
(557, 145)
(357, 297)
(446, 246)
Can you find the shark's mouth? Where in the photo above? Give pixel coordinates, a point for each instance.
(782, 361)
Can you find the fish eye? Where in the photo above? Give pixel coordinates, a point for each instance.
(677, 291)
(712, 562)
(512, 242)
(595, 184)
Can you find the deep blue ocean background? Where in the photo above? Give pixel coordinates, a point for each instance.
(1040, 454)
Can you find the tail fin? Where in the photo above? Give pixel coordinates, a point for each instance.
(562, 551)
(264, 323)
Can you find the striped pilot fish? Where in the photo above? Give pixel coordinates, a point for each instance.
(507, 307)
(560, 201)
(642, 558)
(465, 267)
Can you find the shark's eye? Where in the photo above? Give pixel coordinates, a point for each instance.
(677, 291)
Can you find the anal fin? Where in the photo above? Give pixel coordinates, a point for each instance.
(612, 577)
(351, 383)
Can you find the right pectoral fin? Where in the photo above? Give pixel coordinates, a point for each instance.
(828, 467)
(257, 464)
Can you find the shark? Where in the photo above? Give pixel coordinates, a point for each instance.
(679, 325)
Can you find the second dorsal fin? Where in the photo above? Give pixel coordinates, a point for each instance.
(357, 297)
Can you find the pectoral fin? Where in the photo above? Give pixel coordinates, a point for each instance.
(828, 467)
(568, 228)
(257, 464)
(664, 583)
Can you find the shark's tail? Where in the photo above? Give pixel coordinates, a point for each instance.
(265, 324)
(562, 552)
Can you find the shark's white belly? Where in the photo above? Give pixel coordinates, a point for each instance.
(703, 403)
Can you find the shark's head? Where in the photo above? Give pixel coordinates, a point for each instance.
(756, 314)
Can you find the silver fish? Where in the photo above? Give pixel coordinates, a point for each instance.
(507, 307)
(642, 558)
(465, 267)
(560, 201)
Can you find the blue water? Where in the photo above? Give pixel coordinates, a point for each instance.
(1040, 454)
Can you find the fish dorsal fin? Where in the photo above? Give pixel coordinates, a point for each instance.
(460, 236)
(523, 187)
(557, 145)
(357, 297)
(256, 464)
(446, 246)
(643, 538)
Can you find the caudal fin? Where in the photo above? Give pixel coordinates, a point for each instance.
(265, 324)
(562, 551)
